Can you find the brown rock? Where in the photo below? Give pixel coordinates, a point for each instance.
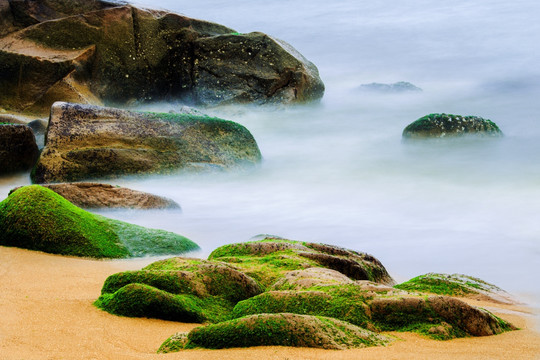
(18, 148)
(95, 52)
(95, 195)
(85, 142)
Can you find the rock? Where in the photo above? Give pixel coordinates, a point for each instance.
(211, 289)
(103, 52)
(303, 279)
(447, 125)
(277, 72)
(18, 148)
(278, 330)
(95, 196)
(399, 87)
(85, 141)
(271, 259)
(456, 285)
(37, 218)
(423, 315)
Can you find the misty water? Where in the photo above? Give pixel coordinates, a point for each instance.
(338, 172)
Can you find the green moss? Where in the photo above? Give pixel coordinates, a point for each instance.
(37, 218)
(68, 33)
(173, 282)
(347, 303)
(282, 330)
(445, 284)
(440, 125)
(140, 300)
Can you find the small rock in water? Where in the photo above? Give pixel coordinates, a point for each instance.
(399, 87)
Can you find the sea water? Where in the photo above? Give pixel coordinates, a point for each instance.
(338, 172)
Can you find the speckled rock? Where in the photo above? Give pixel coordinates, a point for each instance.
(448, 125)
(85, 142)
(102, 52)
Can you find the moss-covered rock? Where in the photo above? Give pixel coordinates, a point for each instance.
(448, 125)
(455, 285)
(37, 218)
(269, 260)
(277, 330)
(440, 317)
(85, 142)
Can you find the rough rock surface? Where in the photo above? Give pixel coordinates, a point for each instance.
(284, 329)
(85, 141)
(18, 148)
(105, 52)
(448, 125)
(95, 195)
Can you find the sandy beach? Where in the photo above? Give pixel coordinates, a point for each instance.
(46, 312)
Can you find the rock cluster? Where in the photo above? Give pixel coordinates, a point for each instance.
(269, 292)
(110, 52)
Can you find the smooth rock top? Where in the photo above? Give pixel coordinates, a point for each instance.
(95, 195)
(85, 142)
(105, 52)
(448, 125)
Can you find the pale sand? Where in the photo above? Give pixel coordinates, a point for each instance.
(46, 312)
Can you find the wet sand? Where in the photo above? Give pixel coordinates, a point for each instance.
(46, 312)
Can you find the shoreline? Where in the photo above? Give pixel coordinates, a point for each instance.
(47, 312)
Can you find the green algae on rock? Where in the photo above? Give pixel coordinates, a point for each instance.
(283, 329)
(37, 218)
(455, 285)
(448, 125)
(85, 142)
(270, 259)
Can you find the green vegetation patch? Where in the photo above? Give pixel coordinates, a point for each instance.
(445, 284)
(36, 218)
(347, 303)
(280, 330)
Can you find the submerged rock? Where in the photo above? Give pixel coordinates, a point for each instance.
(448, 125)
(277, 330)
(85, 141)
(95, 196)
(18, 148)
(399, 87)
(110, 52)
(37, 218)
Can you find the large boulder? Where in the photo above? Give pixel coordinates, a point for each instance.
(277, 330)
(101, 52)
(96, 195)
(270, 260)
(37, 218)
(18, 148)
(448, 125)
(85, 141)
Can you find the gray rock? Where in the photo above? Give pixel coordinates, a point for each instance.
(399, 87)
